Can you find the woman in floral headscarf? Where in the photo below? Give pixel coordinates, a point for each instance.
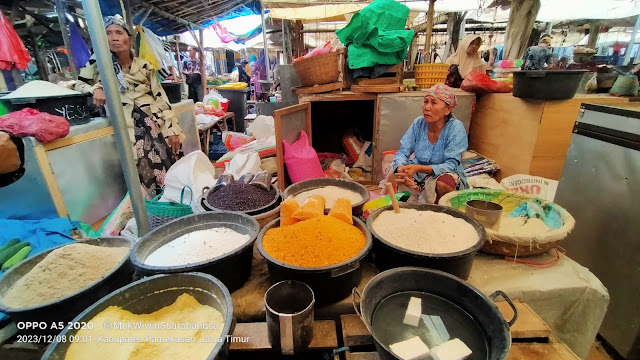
(437, 141)
(153, 127)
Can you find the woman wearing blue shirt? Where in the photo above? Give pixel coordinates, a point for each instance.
(437, 141)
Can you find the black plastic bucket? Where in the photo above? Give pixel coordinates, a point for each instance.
(74, 108)
(66, 308)
(152, 294)
(388, 255)
(173, 91)
(546, 84)
(232, 269)
(329, 283)
(311, 184)
(480, 307)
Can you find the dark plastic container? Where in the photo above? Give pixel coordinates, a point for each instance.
(66, 308)
(480, 307)
(329, 283)
(74, 108)
(546, 84)
(388, 256)
(311, 184)
(237, 105)
(206, 191)
(232, 269)
(173, 91)
(154, 293)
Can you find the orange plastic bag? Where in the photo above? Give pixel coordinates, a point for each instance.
(312, 207)
(341, 210)
(287, 208)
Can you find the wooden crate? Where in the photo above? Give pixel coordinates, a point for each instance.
(390, 81)
(531, 337)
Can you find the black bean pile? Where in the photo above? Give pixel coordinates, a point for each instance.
(237, 196)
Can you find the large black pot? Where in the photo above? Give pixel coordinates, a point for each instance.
(478, 306)
(152, 294)
(388, 255)
(206, 191)
(329, 283)
(66, 308)
(232, 269)
(546, 84)
(311, 184)
(74, 108)
(173, 91)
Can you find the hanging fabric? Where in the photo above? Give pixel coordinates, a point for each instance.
(12, 50)
(152, 50)
(222, 33)
(79, 47)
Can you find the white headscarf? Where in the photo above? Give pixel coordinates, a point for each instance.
(466, 63)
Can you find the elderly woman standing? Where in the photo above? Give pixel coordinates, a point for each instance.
(437, 141)
(153, 127)
(467, 57)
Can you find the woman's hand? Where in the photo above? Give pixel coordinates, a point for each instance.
(174, 142)
(98, 98)
(401, 178)
(410, 170)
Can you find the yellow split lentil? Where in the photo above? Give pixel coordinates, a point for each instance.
(320, 241)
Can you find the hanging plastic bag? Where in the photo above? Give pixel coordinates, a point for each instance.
(480, 83)
(12, 50)
(302, 160)
(79, 47)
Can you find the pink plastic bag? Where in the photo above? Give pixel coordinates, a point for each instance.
(29, 122)
(302, 160)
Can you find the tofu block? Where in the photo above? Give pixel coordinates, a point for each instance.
(442, 330)
(433, 336)
(412, 349)
(451, 350)
(414, 310)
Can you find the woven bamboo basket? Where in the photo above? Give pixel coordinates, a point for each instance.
(428, 75)
(319, 69)
(510, 245)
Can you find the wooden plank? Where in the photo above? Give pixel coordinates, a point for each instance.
(50, 180)
(363, 356)
(354, 331)
(75, 139)
(324, 336)
(528, 325)
(552, 351)
(339, 96)
(549, 167)
(377, 88)
(378, 81)
(505, 128)
(298, 90)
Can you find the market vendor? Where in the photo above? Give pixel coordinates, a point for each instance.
(437, 141)
(153, 127)
(467, 57)
(538, 57)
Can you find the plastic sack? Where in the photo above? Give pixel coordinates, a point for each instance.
(262, 180)
(532, 185)
(233, 140)
(352, 147)
(287, 208)
(242, 164)
(302, 160)
(342, 210)
(262, 127)
(214, 98)
(194, 170)
(454, 79)
(29, 122)
(480, 83)
(625, 85)
(312, 207)
(365, 159)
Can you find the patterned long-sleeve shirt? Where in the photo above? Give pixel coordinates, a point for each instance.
(143, 90)
(444, 156)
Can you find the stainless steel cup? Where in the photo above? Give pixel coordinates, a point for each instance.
(289, 307)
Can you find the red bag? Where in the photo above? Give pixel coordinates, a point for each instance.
(12, 50)
(302, 160)
(480, 83)
(29, 122)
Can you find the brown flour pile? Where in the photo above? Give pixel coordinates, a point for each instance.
(62, 272)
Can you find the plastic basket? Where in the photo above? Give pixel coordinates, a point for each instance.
(161, 212)
(319, 69)
(427, 75)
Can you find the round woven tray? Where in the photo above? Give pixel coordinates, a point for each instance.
(505, 245)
